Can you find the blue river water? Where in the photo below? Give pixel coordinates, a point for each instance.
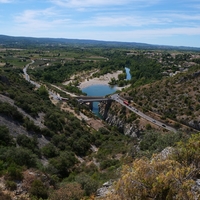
(102, 90)
(98, 90)
(128, 75)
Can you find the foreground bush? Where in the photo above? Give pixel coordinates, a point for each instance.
(162, 178)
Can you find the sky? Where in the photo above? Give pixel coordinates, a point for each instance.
(162, 22)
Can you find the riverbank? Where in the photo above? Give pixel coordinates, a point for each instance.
(102, 80)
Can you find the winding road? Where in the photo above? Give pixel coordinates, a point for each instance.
(121, 100)
(27, 77)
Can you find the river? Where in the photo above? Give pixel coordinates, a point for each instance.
(128, 75)
(102, 90)
(98, 90)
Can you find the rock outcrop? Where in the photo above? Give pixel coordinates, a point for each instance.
(130, 129)
(106, 188)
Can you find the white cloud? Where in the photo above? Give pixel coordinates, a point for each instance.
(30, 14)
(185, 17)
(5, 1)
(122, 21)
(98, 3)
(38, 19)
(87, 3)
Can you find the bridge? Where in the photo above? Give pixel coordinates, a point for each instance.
(86, 99)
(90, 99)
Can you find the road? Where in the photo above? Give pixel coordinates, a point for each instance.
(114, 97)
(121, 100)
(27, 77)
(69, 93)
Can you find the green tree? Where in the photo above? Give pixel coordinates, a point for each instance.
(87, 183)
(20, 156)
(14, 172)
(63, 163)
(5, 138)
(27, 142)
(43, 92)
(49, 150)
(38, 189)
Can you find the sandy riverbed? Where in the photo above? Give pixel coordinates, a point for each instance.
(102, 80)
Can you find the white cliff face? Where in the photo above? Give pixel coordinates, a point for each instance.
(113, 120)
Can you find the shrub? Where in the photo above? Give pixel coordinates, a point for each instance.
(11, 185)
(162, 178)
(108, 163)
(14, 172)
(49, 150)
(88, 184)
(5, 138)
(38, 189)
(19, 156)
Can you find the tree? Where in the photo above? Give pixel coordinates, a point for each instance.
(122, 76)
(49, 150)
(88, 184)
(63, 163)
(38, 189)
(5, 138)
(27, 142)
(43, 92)
(81, 146)
(19, 156)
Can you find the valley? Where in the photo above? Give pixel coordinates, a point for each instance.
(45, 130)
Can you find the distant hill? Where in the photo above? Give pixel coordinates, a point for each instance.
(11, 41)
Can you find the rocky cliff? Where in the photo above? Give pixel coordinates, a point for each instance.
(113, 119)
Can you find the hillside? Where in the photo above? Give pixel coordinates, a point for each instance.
(176, 98)
(50, 150)
(171, 174)
(37, 137)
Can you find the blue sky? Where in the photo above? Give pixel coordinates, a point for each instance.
(163, 22)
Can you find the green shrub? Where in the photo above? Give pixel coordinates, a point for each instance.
(108, 163)
(5, 138)
(38, 189)
(11, 185)
(156, 142)
(49, 150)
(88, 184)
(19, 156)
(14, 172)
